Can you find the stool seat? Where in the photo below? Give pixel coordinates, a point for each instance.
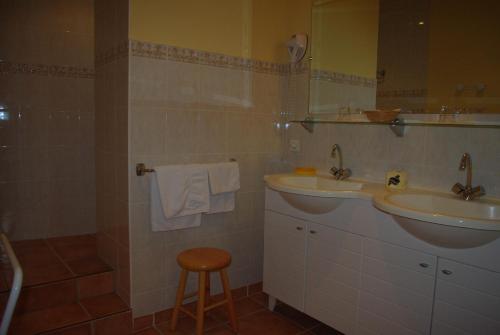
(204, 259)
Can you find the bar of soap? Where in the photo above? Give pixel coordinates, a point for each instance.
(305, 171)
(396, 180)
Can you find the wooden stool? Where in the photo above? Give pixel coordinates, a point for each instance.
(203, 261)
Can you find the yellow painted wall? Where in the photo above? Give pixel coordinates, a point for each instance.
(345, 36)
(464, 48)
(248, 28)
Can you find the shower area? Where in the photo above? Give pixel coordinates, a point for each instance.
(48, 149)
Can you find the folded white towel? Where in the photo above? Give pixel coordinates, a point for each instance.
(223, 202)
(183, 189)
(224, 177)
(179, 194)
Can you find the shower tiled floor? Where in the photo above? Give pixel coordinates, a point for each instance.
(67, 289)
(54, 259)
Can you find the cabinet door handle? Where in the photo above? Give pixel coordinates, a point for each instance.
(299, 228)
(313, 231)
(424, 265)
(446, 272)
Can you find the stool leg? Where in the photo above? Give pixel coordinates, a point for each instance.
(227, 293)
(179, 299)
(200, 307)
(207, 301)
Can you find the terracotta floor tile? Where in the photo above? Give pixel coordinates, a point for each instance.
(187, 325)
(46, 296)
(296, 316)
(103, 305)
(267, 323)
(84, 329)
(243, 307)
(222, 330)
(118, 324)
(94, 285)
(143, 322)
(45, 274)
(323, 329)
(71, 248)
(24, 247)
(149, 331)
(48, 319)
(88, 266)
(262, 298)
(255, 288)
(162, 316)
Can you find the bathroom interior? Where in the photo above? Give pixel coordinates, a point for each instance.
(365, 136)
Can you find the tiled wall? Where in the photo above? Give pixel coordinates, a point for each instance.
(430, 154)
(189, 106)
(112, 137)
(47, 176)
(333, 92)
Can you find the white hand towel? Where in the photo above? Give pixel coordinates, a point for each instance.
(179, 194)
(183, 189)
(158, 220)
(224, 177)
(223, 202)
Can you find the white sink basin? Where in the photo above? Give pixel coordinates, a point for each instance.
(313, 194)
(443, 219)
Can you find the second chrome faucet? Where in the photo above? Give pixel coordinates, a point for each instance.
(467, 192)
(339, 173)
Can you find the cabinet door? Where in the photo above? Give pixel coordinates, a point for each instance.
(467, 300)
(284, 258)
(397, 288)
(333, 276)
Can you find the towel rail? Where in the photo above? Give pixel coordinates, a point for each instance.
(16, 284)
(141, 170)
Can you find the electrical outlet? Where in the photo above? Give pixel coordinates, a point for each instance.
(294, 146)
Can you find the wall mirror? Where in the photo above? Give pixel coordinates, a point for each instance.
(405, 57)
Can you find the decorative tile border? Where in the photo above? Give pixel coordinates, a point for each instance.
(46, 70)
(112, 54)
(167, 52)
(414, 93)
(342, 78)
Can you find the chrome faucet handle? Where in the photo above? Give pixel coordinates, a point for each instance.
(476, 192)
(334, 171)
(458, 188)
(344, 174)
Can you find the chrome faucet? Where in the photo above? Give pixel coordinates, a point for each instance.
(339, 173)
(467, 192)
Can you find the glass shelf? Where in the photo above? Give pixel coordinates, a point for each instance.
(439, 120)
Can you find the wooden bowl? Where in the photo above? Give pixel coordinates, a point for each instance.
(382, 115)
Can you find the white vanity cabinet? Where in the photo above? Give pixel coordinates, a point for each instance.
(467, 300)
(333, 276)
(284, 258)
(356, 270)
(397, 289)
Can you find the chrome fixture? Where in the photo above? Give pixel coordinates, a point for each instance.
(467, 192)
(141, 170)
(308, 124)
(339, 173)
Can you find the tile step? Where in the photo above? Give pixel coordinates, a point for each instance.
(94, 312)
(74, 290)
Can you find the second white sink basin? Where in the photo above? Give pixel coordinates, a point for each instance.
(443, 219)
(313, 194)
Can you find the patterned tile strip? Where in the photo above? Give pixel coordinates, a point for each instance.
(342, 78)
(167, 52)
(114, 53)
(413, 93)
(46, 70)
